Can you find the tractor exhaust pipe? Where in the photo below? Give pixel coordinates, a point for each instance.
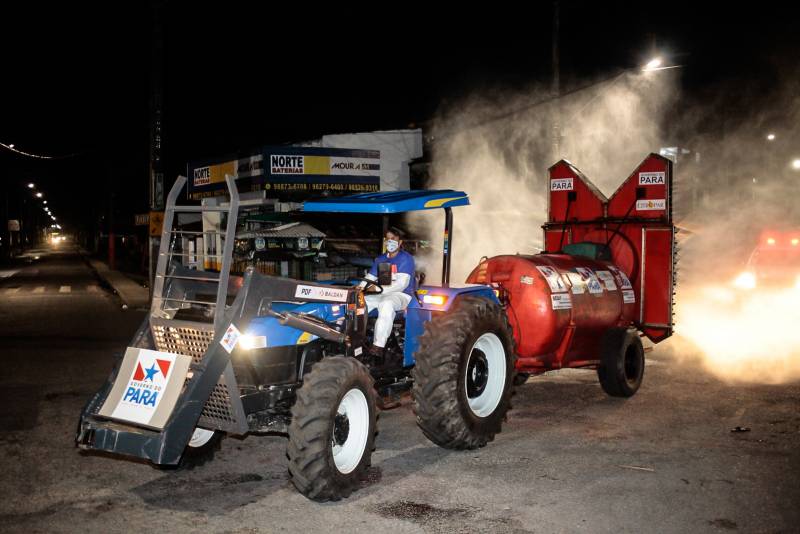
(312, 326)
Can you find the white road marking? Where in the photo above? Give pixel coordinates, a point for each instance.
(65, 289)
(93, 289)
(12, 290)
(8, 274)
(39, 289)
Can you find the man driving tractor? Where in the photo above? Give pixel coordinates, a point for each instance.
(394, 297)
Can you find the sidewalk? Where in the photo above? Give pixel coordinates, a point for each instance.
(131, 292)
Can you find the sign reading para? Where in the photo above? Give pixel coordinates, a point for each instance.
(652, 178)
(147, 387)
(561, 184)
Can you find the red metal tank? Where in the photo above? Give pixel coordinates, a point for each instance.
(559, 305)
(608, 262)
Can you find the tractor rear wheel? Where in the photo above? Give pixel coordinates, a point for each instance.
(621, 362)
(464, 374)
(332, 433)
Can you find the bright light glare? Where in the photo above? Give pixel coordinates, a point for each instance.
(795, 241)
(31, 186)
(248, 342)
(771, 137)
(796, 164)
(771, 241)
(437, 300)
(652, 64)
(746, 280)
(39, 195)
(751, 337)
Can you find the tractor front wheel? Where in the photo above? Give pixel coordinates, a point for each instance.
(332, 433)
(464, 374)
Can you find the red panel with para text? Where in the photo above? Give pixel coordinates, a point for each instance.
(573, 197)
(646, 192)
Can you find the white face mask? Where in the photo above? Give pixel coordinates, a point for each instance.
(392, 245)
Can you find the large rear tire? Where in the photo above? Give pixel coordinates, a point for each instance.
(464, 374)
(332, 433)
(621, 367)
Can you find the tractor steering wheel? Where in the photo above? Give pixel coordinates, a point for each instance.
(371, 283)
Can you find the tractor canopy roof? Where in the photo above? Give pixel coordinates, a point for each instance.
(389, 202)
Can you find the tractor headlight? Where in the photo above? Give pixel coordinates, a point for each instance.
(746, 280)
(436, 300)
(248, 342)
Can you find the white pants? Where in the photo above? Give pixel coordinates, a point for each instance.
(386, 305)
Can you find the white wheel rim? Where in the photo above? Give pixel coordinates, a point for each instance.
(348, 455)
(486, 402)
(200, 437)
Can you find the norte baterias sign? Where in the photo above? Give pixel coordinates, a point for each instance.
(307, 171)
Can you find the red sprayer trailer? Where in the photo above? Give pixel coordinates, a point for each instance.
(604, 280)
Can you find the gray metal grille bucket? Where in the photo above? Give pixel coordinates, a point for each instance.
(193, 339)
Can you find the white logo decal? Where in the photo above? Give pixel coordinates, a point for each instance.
(553, 279)
(561, 301)
(578, 284)
(651, 205)
(321, 293)
(608, 280)
(145, 387)
(230, 338)
(591, 280)
(652, 178)
(561, 184)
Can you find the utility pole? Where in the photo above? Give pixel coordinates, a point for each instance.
(556, 88)
(156, 122)
(156, 110)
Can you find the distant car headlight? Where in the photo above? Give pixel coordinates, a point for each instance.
(248, 342)
(746, 280)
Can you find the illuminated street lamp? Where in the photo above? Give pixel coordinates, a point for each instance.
(796, 164)
(653, 64)
(39, 195)
(771, 137)
(31, 186)
(45, 202)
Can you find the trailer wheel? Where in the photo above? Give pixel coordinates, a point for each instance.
(332, 433)
(200, 450)
(621, 362)
(464, 374)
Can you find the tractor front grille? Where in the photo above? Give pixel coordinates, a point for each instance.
(194, 342)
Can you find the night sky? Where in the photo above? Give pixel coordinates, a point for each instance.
(76, 79)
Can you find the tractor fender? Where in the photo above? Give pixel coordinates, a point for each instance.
(420, 312)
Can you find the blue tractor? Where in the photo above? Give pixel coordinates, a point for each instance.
(259, 354)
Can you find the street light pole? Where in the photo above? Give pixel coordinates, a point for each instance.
(556, 89)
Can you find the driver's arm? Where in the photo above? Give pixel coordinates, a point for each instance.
(400, 282)
(368, 276)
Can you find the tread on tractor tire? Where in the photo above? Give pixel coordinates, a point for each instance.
(621, 368)
(464, 355)
(333, 428)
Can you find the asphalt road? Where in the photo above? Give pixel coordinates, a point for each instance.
(569, 459)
